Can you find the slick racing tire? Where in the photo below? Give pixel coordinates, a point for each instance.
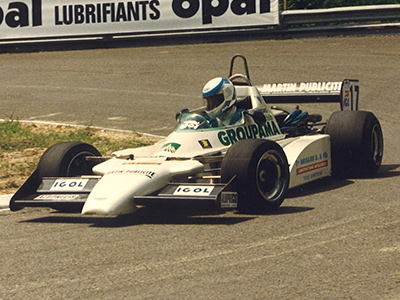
(356, 143)
(262, 174)
(67, 159)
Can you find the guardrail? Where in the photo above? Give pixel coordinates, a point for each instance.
(355, 14)
(293, 23)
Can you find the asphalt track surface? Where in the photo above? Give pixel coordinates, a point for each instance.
(338, 239)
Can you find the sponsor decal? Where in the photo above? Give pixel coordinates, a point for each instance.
(196, 190)
(312, 176)
(253, 131)
(69, 184)
(141, 163)
(312, 167)
(311, 158)
(107, 12)
(302, 87)
(57, 197)
(170, 147)
(215, 8)
(229, 199)
(350, 94)
(19, 14)
(307, 160)
(205, 144)
(192, 124)
(309, 166)
(147, 173)
(49, 18)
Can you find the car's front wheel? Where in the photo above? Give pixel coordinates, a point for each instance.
(67, 159)
(262, 174)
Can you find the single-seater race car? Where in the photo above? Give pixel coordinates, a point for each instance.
(247, 164)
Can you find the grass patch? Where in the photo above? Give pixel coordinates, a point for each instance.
(16, 136)
(22, 144)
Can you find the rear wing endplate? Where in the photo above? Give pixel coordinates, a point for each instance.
(346, 93)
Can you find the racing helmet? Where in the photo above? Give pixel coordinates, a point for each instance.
(219, 95)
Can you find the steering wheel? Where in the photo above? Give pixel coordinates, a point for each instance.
(194, 121)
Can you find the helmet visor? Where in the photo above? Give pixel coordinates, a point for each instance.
(213, 101)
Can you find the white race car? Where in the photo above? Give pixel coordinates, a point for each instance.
(247, 165)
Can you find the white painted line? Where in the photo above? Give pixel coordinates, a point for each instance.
(96, 89)
(45, 116)
(117, 118)
(85, 126)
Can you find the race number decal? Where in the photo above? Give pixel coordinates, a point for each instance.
(349, 95)
(69, 185)
(197, 190)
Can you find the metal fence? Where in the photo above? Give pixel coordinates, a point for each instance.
(350, 15)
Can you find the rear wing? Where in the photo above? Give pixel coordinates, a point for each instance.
(346, 93)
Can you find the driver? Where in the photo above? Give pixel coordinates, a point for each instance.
(219, 95)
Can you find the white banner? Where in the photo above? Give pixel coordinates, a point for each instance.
(60, 18)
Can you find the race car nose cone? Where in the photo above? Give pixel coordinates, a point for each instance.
(104, 206)
(112, 195)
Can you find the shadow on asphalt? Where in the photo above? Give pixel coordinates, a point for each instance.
(170, 214)
(144, 216)
(329, 184)
(388, 171)
(164, 216)
(319, 186)
(167, 214)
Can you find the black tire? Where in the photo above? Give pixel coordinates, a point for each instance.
(356, 143)
(67, 159)
(262, 174)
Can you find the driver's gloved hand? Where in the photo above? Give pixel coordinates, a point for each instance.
(180, 113)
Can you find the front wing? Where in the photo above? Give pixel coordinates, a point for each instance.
(44, 192)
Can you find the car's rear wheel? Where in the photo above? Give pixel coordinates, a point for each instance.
(67, 159)
(262, 174)
(356, 143)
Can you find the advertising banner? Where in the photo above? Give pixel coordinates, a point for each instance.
(61, 18)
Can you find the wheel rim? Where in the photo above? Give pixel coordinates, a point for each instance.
(377, 145)
(271, 175)
(78, 164)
